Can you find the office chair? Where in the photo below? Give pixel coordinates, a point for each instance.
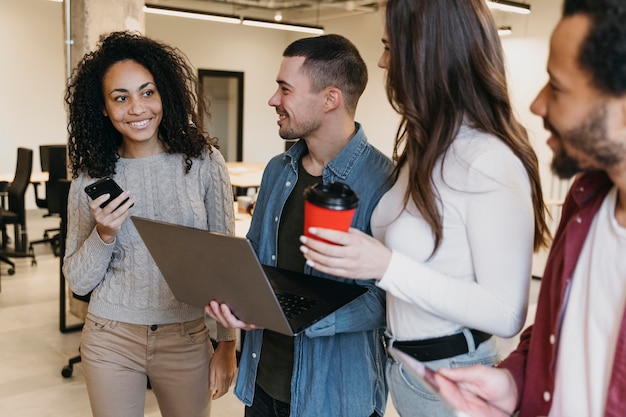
(54, 161)
(15, 214)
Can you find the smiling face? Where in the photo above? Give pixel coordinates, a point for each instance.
(132, 103)
(299, 109)
(587, 126)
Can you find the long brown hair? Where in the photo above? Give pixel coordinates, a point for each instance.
(445, 66)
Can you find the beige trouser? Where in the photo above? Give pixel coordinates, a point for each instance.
(118, 358)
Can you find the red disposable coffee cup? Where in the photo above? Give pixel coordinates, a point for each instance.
(329, 206)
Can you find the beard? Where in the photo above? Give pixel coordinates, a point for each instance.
(590, 138)
(563, 165)
(301, 131)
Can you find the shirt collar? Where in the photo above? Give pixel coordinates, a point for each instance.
(340, 165)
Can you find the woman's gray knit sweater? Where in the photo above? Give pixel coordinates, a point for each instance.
(126, 283)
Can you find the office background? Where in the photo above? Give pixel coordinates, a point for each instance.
(32, 113)
(32, 73)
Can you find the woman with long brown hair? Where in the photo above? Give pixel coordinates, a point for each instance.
(454, 236)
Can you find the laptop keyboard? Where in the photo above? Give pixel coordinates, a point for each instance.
(294, 305)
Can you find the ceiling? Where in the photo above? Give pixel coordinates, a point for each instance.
(304, 12)
(310, 12)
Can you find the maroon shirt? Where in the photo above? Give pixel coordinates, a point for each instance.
(533, 363)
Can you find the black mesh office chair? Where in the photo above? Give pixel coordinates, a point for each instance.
(15, 213)
(54, 161)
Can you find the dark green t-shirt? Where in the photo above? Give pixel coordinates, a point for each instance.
(276, 362)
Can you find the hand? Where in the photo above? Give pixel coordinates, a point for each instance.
(479, 390)
(109, 219)
(222, 314)
(354, 255)
(222, 368)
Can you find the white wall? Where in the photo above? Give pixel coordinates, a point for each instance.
(255, 52)
(32, 74)
(258, 52)
(32, 80)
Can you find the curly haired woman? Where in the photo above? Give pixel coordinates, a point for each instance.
(135, 115)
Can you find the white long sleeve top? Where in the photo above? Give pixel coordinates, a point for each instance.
(479, 277)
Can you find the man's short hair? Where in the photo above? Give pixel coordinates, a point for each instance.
(603, 52)
(332, 61)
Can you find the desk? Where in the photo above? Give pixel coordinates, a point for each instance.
(35, 178)
(38, 177)
(4, 192)
(245, 174)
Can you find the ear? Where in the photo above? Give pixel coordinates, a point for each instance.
(333, 99)
(104, 112)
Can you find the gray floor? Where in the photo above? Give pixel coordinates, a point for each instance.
(33, 350)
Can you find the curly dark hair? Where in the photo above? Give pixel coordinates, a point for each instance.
(94, 141)
(603, 53)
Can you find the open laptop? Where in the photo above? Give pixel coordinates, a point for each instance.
(200, 266)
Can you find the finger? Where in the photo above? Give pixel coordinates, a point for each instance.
(216, 312)
(325, 266)
(95, 204)
(116, 203)
(321, 248)
(209, 309)
(230, 318)
(335, 236)
(127, 205)
(213, 385)
(221, 386)
(218, 393)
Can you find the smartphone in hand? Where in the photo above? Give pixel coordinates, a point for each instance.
(105, 186)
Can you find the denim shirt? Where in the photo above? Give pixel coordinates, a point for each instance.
(339, 361)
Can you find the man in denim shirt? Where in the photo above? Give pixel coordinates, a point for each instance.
(335, 368)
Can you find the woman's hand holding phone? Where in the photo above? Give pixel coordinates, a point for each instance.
(109, 207)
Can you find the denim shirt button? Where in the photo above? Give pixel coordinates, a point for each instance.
(276, 219)
(273, 257)
(254, 355)
(288, 183)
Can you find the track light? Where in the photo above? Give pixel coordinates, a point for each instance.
(316, 30)
(214, 17)
(190, 14)
(509, 6)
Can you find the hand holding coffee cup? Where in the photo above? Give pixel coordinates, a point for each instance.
(329, 206)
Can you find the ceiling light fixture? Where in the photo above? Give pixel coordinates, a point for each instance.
(509, 6)
(215, 17)
(190, 14)
(316, 30)
(278, 16)
(505, 31)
